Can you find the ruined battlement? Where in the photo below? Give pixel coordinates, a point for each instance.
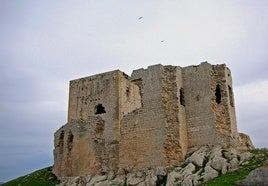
(146, 120)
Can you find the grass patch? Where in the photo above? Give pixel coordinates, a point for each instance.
(43, 177)
(229, 179)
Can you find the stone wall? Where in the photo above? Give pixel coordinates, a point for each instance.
(176, 142)
(109, 95)
(210, 111)
(223, 105)
(79, 147)
(159, 127)
(199, 95)
(87, 94)
(129, 97)
(143, 131)
(96, 107)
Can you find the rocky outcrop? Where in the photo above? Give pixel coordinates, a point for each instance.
(245, 142)
(205, 164)
(201, 165)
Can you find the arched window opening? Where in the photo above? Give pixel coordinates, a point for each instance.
(70, 141)
(100, 109)
(61, 140)
(231, 96)
(218, 94)
(182, 101)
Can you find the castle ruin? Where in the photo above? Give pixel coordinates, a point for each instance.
(147, 120)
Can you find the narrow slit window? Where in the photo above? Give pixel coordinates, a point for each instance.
(218, 94)
(231, 96)
(182, 101)
(70, 141)
(100, 109)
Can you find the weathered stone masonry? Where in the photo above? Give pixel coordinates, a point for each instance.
(147, 120)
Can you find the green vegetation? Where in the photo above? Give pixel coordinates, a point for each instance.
(229, 179)
(43, 177)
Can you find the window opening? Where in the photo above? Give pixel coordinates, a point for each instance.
(218, 94)
(231, 96)
(100, 109)
(197, 98)
(182, 101)
(128, 91)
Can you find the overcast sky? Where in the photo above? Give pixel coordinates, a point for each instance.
(44, 44)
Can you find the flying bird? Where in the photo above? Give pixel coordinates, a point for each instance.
(140, 17)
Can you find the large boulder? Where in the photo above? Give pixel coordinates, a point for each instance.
(258, 176)
(198, 157)
(219, 164)
(210, 173)
(135, 178)
(245, 142)
(245, 156)
(97, 179)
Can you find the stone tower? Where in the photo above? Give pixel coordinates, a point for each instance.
(210, 111)
(89, 142)
(147, 120)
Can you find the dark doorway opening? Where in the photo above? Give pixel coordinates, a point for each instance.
(161, 180)
(100, 109)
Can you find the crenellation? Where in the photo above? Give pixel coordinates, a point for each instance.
(147, 120)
